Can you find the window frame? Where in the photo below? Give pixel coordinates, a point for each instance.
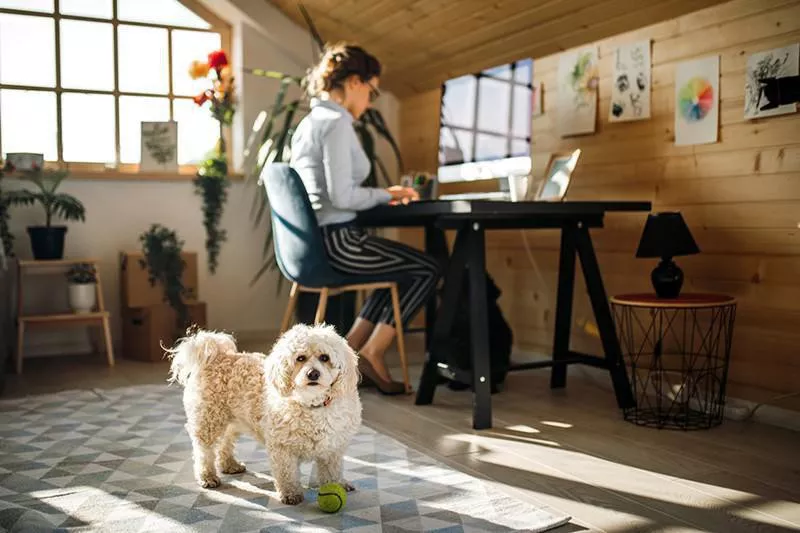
(509, 136)
(120, 171)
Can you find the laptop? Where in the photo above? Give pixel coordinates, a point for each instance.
(517, 188)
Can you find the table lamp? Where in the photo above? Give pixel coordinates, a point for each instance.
(665, 236)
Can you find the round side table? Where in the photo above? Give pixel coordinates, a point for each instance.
(677, 353)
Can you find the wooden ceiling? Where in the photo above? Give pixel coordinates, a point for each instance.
(421, 43)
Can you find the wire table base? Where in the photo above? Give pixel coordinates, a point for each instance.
(677, 354)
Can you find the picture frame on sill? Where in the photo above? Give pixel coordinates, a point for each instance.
(159, 147)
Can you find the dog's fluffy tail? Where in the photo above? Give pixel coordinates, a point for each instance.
(194, 351)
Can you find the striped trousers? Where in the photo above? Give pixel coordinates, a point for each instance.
(352, 251)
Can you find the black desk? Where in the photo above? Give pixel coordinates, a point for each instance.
(470, 219)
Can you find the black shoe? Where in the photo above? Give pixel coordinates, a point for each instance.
(389, 388)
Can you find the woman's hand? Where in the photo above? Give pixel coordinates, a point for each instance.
(402, 195)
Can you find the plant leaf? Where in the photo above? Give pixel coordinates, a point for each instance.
(387, 182)
(311, 27)
(374, 117)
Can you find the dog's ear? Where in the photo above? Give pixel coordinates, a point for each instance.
(349, 376)
(279, 367)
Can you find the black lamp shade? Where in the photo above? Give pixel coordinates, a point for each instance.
(666, 235)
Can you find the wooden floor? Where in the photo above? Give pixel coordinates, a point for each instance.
(568, 450)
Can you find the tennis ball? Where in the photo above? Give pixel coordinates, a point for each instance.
(331, 497)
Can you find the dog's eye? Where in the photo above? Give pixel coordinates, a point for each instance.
(301, 358)
(324, 358)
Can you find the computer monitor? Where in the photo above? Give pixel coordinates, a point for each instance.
(485, 124)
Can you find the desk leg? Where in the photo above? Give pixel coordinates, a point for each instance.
(605, 323)
(436, 247)
(479, 330)
(442, 324)
(566, 289)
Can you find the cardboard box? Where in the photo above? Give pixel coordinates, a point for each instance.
(145, 329)
(135, 287)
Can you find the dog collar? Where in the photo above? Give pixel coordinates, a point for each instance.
(326, 403)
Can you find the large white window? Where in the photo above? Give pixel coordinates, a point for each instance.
(77, 78)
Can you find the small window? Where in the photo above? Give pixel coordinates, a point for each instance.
(487, 116)
(93, 71)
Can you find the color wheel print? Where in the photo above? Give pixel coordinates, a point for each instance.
(696, 99)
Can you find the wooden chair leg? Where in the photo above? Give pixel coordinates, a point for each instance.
(322, 307)
(20, 343)
(294, 293)
(401, 344)
(109, 342)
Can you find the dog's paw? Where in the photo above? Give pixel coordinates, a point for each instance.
(348, 487)
(292, 499)
(232, 467)
(210, 481)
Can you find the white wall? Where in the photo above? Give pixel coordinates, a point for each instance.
(263, 37)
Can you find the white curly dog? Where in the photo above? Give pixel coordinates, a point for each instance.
(301, 402)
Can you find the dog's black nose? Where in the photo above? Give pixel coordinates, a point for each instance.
(313, 374)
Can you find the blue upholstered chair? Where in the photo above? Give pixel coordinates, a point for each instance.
(300, 252)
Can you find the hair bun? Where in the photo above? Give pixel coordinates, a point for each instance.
(339, 61)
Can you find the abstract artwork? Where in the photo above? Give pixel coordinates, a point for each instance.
(697, 101)
(578, 78)
(775, 63)
(159, 147)
(630, 84)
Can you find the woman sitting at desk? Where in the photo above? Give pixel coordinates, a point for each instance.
(328, 156)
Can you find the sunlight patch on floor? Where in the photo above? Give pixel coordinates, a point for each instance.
(523, 429)
(551, 423)
(501, 437)
(635, 486)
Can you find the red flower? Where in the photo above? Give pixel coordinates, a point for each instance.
(202, 98)
(217, 60)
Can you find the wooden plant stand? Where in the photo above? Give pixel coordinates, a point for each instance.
(25, 322)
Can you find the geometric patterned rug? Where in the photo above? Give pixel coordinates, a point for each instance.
(119, 461)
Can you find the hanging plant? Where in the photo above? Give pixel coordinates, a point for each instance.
(162, 250)
(211, 182)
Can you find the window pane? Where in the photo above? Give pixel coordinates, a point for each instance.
(455, 146)
(133, 110)
(86, 8)
(143, 60)
(489, 147)
(520, 148)
(524, 72)
(502, 72)
(169, 12)
(493, 107)
(87, 55)
(459, 102)
(87, 122)
(44, 6)
(198, 132)
(521, 119)
(28, 122)
(188, 46)
(27, 51)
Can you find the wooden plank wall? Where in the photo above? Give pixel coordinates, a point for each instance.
(740, 196)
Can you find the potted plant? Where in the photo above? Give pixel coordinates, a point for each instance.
(162, 249)
(82, 287)
(47, 242)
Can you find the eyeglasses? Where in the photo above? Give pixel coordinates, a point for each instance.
(374, 93)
